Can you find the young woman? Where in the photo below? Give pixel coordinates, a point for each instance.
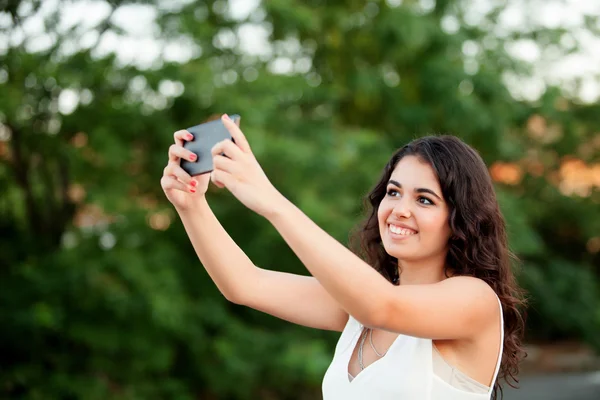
(430, 311)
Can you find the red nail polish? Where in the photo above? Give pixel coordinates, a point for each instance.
(192, 190)
(194, 183)
(193, 157)
(189, 136)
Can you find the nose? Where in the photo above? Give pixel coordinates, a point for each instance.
(402, 209)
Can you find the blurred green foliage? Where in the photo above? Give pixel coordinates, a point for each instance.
(101, 294)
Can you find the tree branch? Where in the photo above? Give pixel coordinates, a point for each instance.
(21, 173)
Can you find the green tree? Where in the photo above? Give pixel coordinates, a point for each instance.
(101, 294)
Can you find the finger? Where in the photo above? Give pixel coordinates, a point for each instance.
(173, 169)
(215, 181)
(228, 148)
(224, 164)
(236, 133)
(177, 151)
(222, 179)
(170, 182)
(182, 135)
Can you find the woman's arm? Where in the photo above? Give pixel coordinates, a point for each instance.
(456, 308)
(452, 309)
(295, 298)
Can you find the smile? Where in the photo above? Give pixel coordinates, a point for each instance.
(400, 231)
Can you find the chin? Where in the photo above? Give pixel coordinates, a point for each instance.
(407, 257)
(414, 255)
(403, 254)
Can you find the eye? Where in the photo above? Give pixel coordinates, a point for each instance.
(425, 201)
(392, 192)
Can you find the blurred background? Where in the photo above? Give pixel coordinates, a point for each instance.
(101, 293)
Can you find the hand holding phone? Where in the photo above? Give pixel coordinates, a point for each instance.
(206, 135)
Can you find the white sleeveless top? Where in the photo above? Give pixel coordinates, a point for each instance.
(406, 371)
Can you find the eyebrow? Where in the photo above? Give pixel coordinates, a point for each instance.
(417, 190)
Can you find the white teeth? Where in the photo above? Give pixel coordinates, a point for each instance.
(401, 231)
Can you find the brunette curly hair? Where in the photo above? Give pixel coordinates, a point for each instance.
(478, 244)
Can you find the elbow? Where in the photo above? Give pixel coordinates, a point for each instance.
(240, 293)
(232, 293)
(378, 314)
(234, 297)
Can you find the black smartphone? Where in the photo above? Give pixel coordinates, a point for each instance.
(206, 135)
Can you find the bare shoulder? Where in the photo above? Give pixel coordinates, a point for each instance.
(460, 307)
(475, 290)
(471, 282)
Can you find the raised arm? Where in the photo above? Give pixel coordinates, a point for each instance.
(298, 299)
(295, 298)
(456, 308)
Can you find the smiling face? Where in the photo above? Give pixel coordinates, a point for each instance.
(413, 216)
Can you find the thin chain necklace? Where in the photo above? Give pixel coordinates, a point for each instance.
(366, 332)
(372, 346)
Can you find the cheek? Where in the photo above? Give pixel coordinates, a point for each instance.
(440, 230)
(383, 212)
(380, 218)
(437, 226)
(380, 215)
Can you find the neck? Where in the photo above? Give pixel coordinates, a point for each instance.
(420, 272)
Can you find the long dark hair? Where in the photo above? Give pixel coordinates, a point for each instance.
(478, 246)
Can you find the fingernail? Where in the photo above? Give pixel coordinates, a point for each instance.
(193, 183)
(193, 157)
(189, 136)
(192, 190)
(227, 117)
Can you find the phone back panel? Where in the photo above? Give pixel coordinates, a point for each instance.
(206, 135)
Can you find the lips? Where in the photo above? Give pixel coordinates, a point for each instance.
(401, 230)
